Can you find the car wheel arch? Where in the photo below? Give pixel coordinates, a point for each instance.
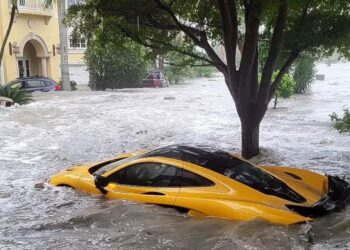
(65, 185)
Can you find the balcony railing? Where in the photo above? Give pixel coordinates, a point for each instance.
(33, 5)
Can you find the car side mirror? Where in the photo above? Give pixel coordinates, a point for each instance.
(101, 182)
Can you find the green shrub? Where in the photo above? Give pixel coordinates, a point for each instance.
(181, 67)
(73, 85)
(114, 65)
(342, 124)
(207, 72)
(17, 95)
(304, 74)
(286, 88)
(175, 75)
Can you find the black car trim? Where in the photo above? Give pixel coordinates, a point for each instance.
(297, 177)
(337, 198)
(96, 167)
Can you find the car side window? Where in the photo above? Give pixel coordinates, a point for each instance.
(34, 84)
(146, 174)
(190, 179)
(46, 83)
(117, 177)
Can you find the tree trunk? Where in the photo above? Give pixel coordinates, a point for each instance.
(250, 139)
(161, 62)
(92, 80)
(13, 13)
(100, 84)
(61, 5)
(275, 102)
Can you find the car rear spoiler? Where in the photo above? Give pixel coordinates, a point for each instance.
(337, 198)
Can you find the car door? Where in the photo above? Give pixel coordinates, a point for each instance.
(199, 194)
(49, 86)
(34, 85)
(149, 182)
(148, 81)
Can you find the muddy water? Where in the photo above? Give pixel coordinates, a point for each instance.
(63, 129)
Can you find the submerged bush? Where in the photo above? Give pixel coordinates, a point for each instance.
(113, 64)
(286, 88)
(16, 94)
(178, 67)
(176, 74)
(73, 84)
(342, 124)
(304, 74)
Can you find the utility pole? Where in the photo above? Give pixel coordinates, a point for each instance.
(61, 6)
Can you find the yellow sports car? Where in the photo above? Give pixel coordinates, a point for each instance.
(208, 182)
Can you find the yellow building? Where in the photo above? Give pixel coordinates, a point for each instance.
(33, 45)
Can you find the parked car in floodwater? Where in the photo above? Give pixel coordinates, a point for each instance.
(35, 83)
(205, 181)
(155, 78)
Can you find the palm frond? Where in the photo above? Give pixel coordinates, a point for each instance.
(16, 94)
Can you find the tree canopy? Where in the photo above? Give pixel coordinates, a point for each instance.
(115, 65)
(283, 28)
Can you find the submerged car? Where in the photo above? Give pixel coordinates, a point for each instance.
(35, 83)
(204, 181)
(155, 78)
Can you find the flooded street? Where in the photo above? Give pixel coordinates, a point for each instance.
(59, 130)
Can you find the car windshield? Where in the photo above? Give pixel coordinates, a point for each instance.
(150, 76)
(114, 165)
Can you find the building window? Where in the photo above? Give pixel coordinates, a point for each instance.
(22, 2)
(74, 2)
(23, 68)
(77, 43)
(20, 68)
(27, 68)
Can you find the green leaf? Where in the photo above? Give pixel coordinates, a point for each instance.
(16, 94)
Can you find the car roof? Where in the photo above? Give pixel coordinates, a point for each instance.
(155, 71)
(189, 153)
(32, 78)
(195, 154)
(230, 166)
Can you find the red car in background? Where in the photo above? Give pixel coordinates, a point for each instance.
(156, 79)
